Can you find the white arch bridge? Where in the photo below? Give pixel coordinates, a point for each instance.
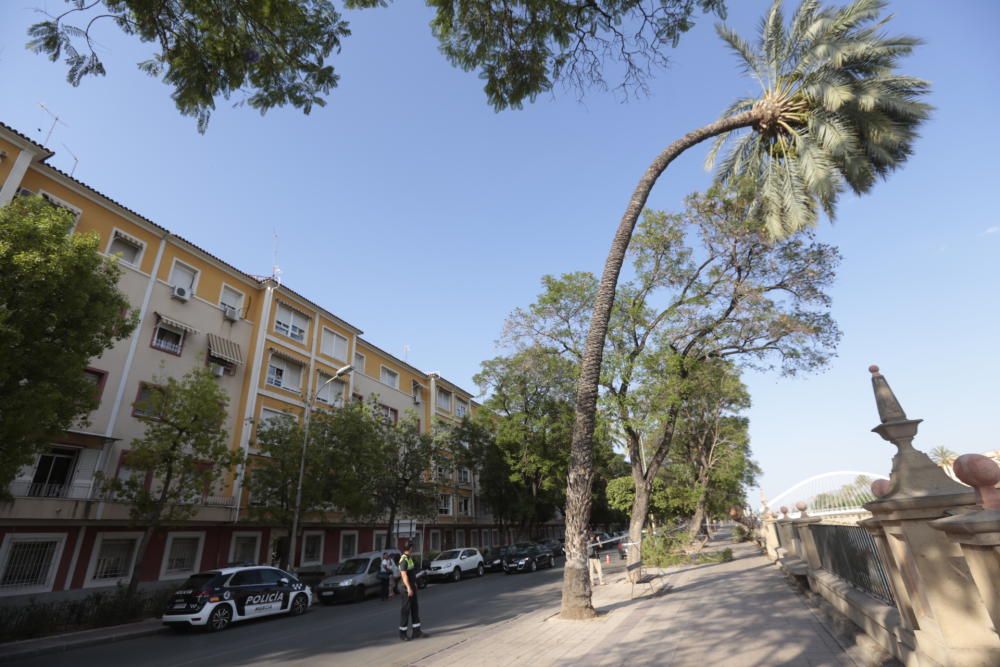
(830, 494)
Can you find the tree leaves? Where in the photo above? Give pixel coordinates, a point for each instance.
(60, 307)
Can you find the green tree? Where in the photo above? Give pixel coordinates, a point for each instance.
(182, 455)
(341, 463)
(400, 482)
(833, 113)
(523, 47)
(706, 286)
(274, 53)
(530, 393)
(59, 308)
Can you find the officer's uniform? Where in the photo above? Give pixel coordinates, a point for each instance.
(411, 607)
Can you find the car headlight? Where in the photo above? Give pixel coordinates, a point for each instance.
(522, 561)
(347, 582)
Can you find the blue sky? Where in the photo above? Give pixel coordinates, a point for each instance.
(411, 209)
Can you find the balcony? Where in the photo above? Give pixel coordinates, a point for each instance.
(76, 490)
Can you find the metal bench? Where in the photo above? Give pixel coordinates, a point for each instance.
(639, 578)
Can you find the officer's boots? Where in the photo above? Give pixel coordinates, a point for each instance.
(403, 636)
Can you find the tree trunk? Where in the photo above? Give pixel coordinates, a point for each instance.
(576, 602)
(699, 510)
(140, 556)
(388, 532)
(637, 521)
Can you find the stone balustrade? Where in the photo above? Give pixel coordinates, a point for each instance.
(921, 576)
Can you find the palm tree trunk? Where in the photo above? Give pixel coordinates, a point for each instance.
(576, 602)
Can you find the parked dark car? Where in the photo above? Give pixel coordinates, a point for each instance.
(557, 548)
(526, 557)
(494, 561)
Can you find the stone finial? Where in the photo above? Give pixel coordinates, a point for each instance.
(983, 474)
(784, 511)
(881, 488)
(889, 409)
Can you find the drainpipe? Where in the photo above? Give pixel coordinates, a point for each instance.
(127, 368)
(256, 363)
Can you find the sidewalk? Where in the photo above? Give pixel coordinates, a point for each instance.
(73, 640)
(740, 614)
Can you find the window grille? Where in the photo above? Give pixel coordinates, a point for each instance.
(28, 564)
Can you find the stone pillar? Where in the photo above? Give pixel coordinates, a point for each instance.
(770, 529)
(807, 542)
(949, 626)
(978, 533)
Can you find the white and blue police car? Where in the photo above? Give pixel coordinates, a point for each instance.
(217, 598)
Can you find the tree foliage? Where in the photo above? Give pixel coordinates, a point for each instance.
(182, 455)
(524, 47)
(59, 308)
(274, 53)
(834, 112)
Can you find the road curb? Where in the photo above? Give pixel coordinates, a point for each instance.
(29, 648)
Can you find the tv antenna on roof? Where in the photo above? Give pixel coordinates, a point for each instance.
(76, 160)
(56, 120)
(275, 269)
(406, 352)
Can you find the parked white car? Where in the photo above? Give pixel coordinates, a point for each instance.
(455, 563)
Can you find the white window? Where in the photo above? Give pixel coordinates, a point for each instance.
(245, 548)
(444, 400)
(126, 248)
(459, 538)
(62, 203)
(443, 473)
(142, 406)
(359, 362)
(168, 339)
(464, 506)
(444, 504)
(183, 275)
(435, 540)
(232, 298)
(486, 537)
(331, 393)
(112, 559)
(389, 377)
(268, 415)
(348, 544)
(464, 475)
(461, 408)
(334, 345)
(312, 547)
(53, 473)
(28, 562)
(182, 555)
(284, 374)
(291, 323)
(379, 540)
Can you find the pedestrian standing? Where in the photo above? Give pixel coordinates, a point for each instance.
(411, 606)
(385, 575)
(595, 561)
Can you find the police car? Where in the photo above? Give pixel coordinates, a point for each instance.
(216, 598)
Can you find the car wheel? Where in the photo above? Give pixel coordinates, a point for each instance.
(534, 566)
(299, 605)
(480, 571)
(422, 583)
(220, 618)
(456, 574)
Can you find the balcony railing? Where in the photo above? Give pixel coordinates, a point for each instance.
(26, 489)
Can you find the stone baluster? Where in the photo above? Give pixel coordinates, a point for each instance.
(806, 540)
(770, 530)
(935, 586)
(978, 532)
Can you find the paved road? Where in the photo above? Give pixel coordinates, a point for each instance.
(348, 634)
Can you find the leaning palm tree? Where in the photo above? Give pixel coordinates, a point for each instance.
(833, 113)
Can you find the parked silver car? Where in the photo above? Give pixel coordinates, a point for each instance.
(354, 579)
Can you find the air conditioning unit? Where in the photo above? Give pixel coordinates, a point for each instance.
(231, 313)
(218, 370)
(180, 293)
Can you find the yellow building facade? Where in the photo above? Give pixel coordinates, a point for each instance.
(271, 350)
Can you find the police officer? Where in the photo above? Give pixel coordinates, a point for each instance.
(411, 607)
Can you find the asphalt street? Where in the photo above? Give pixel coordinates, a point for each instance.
(345, 634)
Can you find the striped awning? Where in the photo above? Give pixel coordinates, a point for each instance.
(176, 324)
(287, 356)
(224, 349)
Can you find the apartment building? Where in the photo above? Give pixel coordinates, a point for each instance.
(271, 350)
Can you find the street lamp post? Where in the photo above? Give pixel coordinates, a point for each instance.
(302, 463)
